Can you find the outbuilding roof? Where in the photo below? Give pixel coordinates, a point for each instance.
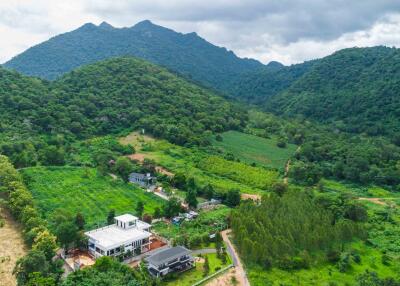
(126, 218)
(163, 256)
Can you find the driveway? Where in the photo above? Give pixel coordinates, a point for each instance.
(235, 258)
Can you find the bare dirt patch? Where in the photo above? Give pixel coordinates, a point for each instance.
(136, 139)
(139, 157)
(12, 247)
(251, 197)
(226, 279)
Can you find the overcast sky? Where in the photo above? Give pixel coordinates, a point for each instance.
(282, 30)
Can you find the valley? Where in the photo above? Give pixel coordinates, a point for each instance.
(142, 156)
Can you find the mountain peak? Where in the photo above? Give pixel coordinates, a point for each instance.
(105, 25)
(144, 24)
(275, 65)
(87, 26)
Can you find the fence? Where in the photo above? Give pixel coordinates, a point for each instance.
(212, 275)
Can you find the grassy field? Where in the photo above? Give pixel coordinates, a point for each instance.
(254, 149)
(82, 190)
(222, 174)
(196, 274)
(325, 274)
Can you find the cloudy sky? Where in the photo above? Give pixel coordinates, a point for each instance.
(288, 31)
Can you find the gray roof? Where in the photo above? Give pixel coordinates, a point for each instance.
(163, 256)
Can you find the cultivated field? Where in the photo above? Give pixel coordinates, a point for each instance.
(223, 175)
(254, 149)
(12, 247)
(82, 190)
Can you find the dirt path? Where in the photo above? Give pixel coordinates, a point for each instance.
(378, 201)
(12, 247)
(287, 167)
(239, 270)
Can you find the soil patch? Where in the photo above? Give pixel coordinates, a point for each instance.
(251, 197)
(12, 247)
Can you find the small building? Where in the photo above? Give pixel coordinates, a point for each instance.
(143, 180)
(128, 233)
(175, 259)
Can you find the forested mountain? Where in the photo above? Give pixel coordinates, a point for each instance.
(107, 97)
(357, 89)
(187, 54)
(258, 86)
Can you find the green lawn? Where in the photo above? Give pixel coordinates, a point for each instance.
(324, 274)
(254, 149)
(82, 190)
(196, 274)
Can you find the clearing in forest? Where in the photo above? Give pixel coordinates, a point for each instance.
(83, 190)
(254, 149)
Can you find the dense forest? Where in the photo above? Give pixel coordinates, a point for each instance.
(187, 54)
(292, 231)
(356, 90)
(256, 87)
(103, 98)
(327, 152)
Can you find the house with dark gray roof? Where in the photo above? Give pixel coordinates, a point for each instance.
(143, 180)
(175, 259)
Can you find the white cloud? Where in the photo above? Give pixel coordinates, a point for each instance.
(289, 31)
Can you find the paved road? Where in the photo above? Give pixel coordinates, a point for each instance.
(235, 258)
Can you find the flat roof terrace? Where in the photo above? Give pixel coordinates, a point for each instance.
(113, 236)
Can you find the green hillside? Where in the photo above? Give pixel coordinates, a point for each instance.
(187, 54)
(254, 149)
(83, 190)
(103, 98)
(355, 89)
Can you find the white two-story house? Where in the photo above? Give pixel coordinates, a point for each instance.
(128, 233)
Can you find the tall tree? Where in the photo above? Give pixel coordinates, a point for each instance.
(139, 208)
(191, 198)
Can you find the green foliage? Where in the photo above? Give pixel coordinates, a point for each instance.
(254, 149)
(106, 271)
(139, 209)
(354, 89)
(232, 198)
(327, 152)
(34, 261)
(286, 230)
(107, 97)
(258, 86)
(80, 221)
(194, 233)
(240, 172)
(172, 207)
(123, 167)
(188, 54)
(71, 189)
(191, 198)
